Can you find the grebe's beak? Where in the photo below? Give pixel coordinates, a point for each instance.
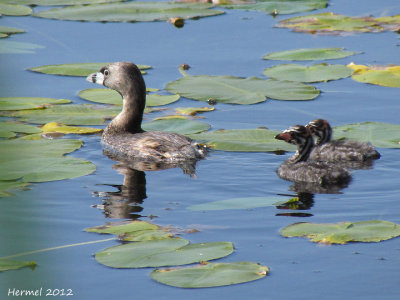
(97, 78)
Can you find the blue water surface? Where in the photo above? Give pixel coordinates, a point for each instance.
(55, 213)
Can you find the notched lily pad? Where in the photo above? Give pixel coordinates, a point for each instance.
(342, 233)
(235, 90)
(75, 69)
(165, 252)
(8, 264)
(380, 75)
(310, 54)
(236, 203)
(210, 274)
(181, 126)
(314, 73)
(19, 103)
(243, 140)
(130, 12)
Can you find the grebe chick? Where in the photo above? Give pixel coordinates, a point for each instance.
(338, 150)
(125, 135)
(299, 169)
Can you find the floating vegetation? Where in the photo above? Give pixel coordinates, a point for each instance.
(235, 90)
(315, 73)
(237, 203)
(11, 47)
(192, 111)
(130, 12)
(330, 23)
(8, 187)
(380, 75)
(6, 31)
(243, 140)
(10, 129)
(310, 54)
(279, 7)
(59, 2)
(8, 264)
(60, 128)
(177, 125)
(76, 69)
(22, 103)
(14, 9)
(342, 233)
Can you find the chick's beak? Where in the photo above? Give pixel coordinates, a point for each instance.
(284, 136)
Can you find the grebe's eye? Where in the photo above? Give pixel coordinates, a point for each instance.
(106, 72)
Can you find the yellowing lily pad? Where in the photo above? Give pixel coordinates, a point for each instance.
(310, 54)
(75, 69)
(380, 75)
(181, 126)
(210, 274)
(243, 140)
(56, 127)
(18, 103)
(7, 264)
(383, 135)
(314, 73)
(280, 7)
(191, 111)
(130, 12)
(235, 90)
(342, 233)
(164, 252)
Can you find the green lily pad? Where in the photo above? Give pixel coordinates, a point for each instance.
(310, 54)
(14, 9)
(236, 203)
(130, 12)
(8, 187)
(342, 233)
(281, 7)
(165, 252)
(332, 24)
(147, 235)
(191, 111)
(180, 126)
(8, 129)
(75, 69)
(380, 75)
(73, 114)
(6, 31)
(243, 140)
(314, 73)
(58, 3)
(56, 127)
(18, 103)
(235, 90)
(210, 274)
(117, 228)
(7, 264)
(383, 135)
(11, 47)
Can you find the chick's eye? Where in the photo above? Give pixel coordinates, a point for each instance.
(106, 72)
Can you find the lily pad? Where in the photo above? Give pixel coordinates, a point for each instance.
(314, 73)
(11, 47)
(191, 111)
(14, 9)
(8, 129)
(130, 12)
(235, 90)
(147, 235)
(380, 75)
(243, 140)
(117, 228)
(330, 23)
(8, 187)
(73, 114)
(75, 69)
(310, 54)
(342, 233)
(210, 274)
(18, 103)
(165, 252)
(383, 135)
(280, 7)
(7, 264)
(237, 203)
(6, 31)
(180, 126)
(56, 127)
(59, 2)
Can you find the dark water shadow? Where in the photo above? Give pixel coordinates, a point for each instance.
(127, 201)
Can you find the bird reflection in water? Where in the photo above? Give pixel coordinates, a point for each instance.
(126, 202)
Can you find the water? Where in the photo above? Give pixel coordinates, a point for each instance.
(55, 213)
